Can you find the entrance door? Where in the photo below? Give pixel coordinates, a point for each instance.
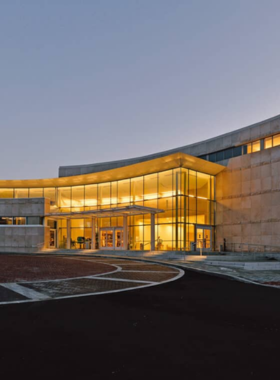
(118, 238)
(52, 238)
(111, 238)
(204, 238)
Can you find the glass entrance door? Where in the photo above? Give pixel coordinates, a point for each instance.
(204, 238)
(111, 238)
(52, 238)
(119, 238)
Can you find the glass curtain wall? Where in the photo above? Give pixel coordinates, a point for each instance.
(186, 196)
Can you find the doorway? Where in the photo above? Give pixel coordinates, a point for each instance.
(111, 238)
(204, 237)
(52, 238)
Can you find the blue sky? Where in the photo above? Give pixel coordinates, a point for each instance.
(87, 81)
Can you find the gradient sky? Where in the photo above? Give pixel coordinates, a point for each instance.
(86, 81)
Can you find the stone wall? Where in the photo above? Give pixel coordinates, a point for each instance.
(24, 206)
(23, 239)
(248, 199)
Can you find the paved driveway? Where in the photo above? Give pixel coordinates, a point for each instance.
(198, 327)
(34, 278)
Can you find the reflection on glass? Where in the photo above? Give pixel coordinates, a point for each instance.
(137, 189)
(276, 140)
(91, 195)
(268, 143)
(36, 193)
(256, 146)
(64, 198)
(21, 193)
(165, 184)
(124, 191)
(6, 193)
(151, 186)
(78, 196)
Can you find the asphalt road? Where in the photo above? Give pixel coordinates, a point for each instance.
(197, 327)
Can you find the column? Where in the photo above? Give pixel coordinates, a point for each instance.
(68, 243)
(153, 232)
(125, 232)
(93, 232)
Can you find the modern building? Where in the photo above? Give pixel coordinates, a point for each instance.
(222, 190)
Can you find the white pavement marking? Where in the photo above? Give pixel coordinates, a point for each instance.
(123, 280)
(26, 292)
(147, 271)
(146, 284)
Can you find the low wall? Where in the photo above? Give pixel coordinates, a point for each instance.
(23, 239)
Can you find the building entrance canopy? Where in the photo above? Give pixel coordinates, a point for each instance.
(106, 213)
(124, 212)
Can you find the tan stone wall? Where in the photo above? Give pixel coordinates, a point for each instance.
(248, 199)
(23, 238)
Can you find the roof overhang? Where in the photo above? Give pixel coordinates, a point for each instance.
(171, 161)
(106, 213)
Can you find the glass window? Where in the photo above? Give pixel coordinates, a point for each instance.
(151, 186)
(165, 184)
(276, 140)
(6, 220)
(192, 183)
(6, 193)
(249, 148)
(228, 153)
(268, 143)
(203, 157)
(137, 189)
(91, 195)
(21, 193)
(19, 221)
(52, 224)
(124, 191)
(77, 223)
(50, 192)
(114, 193)
(203, 211)
(78, 196)
(104, 193)
(256, 146)
(220, 156)
(136, 235)
(212, 157)
(64, 198)
(36, 193)
(203, 185)
(192, 210)
(237, 151)
(31, 220)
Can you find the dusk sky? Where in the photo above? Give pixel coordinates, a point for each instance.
(86, 81)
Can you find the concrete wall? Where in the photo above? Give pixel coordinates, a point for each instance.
(235, 138)
(23, 239)
(248, 199)
(24, 206)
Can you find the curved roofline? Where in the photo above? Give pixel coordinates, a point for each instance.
(70, 170)
(156, 165)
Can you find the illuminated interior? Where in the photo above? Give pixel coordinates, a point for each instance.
(187, 197)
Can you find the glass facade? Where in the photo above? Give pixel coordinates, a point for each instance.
(187, 198)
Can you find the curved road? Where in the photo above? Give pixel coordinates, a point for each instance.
(198, 327)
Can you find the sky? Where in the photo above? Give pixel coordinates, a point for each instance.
(86, 81)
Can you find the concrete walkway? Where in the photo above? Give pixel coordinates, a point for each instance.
(259, 268)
